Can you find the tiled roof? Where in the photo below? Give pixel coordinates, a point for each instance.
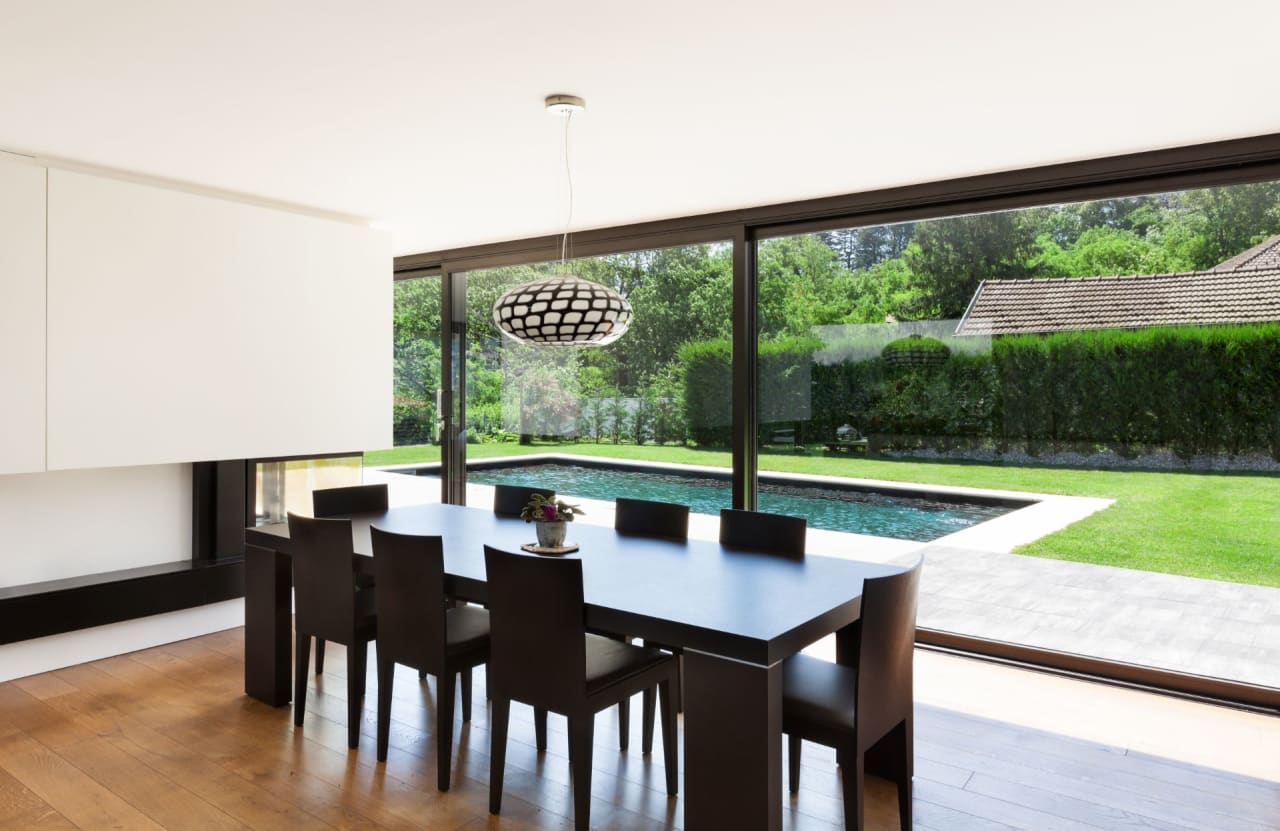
(1265, 254)
(1241, 295)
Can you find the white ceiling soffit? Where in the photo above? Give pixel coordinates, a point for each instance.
(427, 118)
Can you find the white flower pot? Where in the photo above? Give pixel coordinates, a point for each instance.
(551, 534)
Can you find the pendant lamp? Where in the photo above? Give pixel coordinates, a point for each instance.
(563, 310)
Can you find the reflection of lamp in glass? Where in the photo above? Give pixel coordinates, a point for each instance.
(564, 310)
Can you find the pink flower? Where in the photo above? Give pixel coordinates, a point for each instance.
(549, 513)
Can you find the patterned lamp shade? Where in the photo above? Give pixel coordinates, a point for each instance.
(563, 311)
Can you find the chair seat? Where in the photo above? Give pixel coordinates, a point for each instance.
(819, 691)
(467, 629)
(610, 661)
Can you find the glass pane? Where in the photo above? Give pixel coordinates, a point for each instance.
(1088, 460)
(649, 399)
(416, 333)
(285, 487)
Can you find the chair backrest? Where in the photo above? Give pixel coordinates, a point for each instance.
(652, 519)
(537, 635)
(769, 533)
(355, 499)
(409, 570)
(886, 646)
(323, 581)
(509, 500)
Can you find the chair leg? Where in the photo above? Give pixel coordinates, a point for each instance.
(360, 666)
(497, 751)
(793, 762)
(581, 736)
(852, 774)
(540, 728)
(903, 771)
(466, 694)
(679, 689)
(301, 660)
(444, 730)
(624, 723)
(319, 655)
(649, 704)
(386, 677)
(670, 758)
(355, 708)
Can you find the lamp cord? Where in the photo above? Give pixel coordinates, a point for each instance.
(568, 177)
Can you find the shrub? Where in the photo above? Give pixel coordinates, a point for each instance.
(915, 351)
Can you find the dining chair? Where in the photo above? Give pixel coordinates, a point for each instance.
(352, 499)
(769, 533)
(864, 701)
(541, 654)
(509, 500)
(329, 605)
(416, 629)
(644, 517)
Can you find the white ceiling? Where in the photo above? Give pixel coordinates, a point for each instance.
(427, 117)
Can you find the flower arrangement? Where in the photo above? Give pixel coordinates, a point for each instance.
(541, 509)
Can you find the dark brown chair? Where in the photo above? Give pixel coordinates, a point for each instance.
(541, 654)
(417, 630)
(644, 517)
(864, 702)
(651, 519)
(328, 605)
(769, 533)
(509, 500)
(354, 499)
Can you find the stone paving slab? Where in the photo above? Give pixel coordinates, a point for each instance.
(1185, 624)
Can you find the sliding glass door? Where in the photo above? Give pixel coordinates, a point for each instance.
(1072, 412)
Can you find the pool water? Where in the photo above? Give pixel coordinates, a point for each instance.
(878, 514)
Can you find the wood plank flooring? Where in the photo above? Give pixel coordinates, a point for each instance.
(166, 739)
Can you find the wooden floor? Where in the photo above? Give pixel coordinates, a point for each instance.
(165, 739)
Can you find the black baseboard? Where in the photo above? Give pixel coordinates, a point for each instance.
(39, 609)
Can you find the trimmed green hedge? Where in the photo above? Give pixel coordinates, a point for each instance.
(1193, 389)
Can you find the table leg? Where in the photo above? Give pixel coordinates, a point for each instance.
(268, 652)
(732, 744)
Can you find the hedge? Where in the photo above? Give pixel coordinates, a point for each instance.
(786, 386)
(1193, 389)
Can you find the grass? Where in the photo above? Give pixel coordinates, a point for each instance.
(1220, 526)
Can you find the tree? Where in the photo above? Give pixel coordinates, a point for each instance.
(1210, 225)
(950, 257)
(686, 294)
(802, 285)
(1105, 251)
(416, 373)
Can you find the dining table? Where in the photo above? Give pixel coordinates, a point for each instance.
(736, 614)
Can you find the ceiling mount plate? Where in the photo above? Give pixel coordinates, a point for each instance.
(565, 104)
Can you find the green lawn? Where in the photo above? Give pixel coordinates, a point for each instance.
(1214, 525)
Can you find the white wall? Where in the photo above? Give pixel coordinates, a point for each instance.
(143, 328)
(22, 239)
(71, 523)
(185, 328)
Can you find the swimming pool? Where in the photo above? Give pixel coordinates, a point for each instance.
(921, 518)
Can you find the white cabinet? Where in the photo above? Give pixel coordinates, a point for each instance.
(22, 241)
(184, 327)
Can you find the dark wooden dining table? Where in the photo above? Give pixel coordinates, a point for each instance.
(736, 614)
